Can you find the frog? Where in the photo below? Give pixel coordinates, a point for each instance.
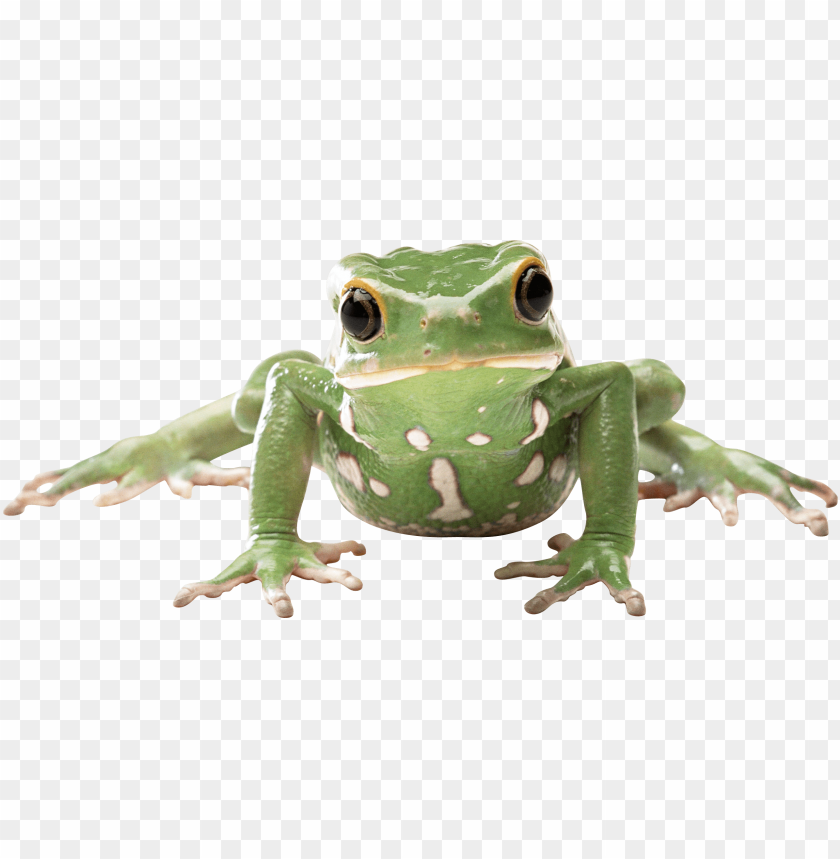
(449, 404)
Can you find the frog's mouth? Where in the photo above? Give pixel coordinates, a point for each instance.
(548, 361)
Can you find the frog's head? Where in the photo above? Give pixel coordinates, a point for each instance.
(411, 312)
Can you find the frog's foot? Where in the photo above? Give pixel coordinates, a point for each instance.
(29, 494)
(136, 464)
(273, 561)
(721, 475)
(589, 561)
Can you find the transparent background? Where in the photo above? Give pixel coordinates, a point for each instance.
(176, 180)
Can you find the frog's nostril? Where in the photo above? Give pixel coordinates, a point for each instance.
(477, 317)
(424, 322)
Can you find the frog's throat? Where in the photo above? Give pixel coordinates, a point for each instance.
(382, 377)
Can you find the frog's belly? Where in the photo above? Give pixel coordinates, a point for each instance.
(452, 493)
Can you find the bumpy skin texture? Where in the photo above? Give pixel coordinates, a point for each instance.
(460, 417)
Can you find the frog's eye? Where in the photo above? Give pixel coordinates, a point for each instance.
(360, 315)
(534, 294)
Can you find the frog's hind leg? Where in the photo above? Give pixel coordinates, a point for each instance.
(722, 475)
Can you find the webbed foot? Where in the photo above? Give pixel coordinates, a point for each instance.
(722, 474)
(273, 561)
(580, 563)
(136, 464)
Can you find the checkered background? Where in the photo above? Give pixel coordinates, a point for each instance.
(177, 179)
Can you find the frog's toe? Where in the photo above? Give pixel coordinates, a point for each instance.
(633, 601)
(212, 589)
(29, 494)
(543, 600)
(329, 553)
(724, 499)
(207, 474)
(561, 591)
(825, 492)
(199, 473)
(180, 487)
(656, 488)
(815, 487)
(682, 499)
(240, 572)
(328, 575)
(559, 542)
(531, 569)
(129, 486)
(539, 569)
(775, 487)
(279, 600)
(814, 520)
(677, 499)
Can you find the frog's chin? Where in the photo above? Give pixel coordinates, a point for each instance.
(549, 361)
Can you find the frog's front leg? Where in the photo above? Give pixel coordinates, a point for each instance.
(603, 395)
(285, 439)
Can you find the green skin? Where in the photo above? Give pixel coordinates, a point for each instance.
(460, 419)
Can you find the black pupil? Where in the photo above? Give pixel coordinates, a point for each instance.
(360, 315)
(534, 294)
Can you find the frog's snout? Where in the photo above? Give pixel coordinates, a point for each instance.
(463, 314)
(445, 327)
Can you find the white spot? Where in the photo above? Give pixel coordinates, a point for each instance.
(508, 520)
(478, 438)
(533, 471)
(348, 423)
(482, 409)
(540, 417)
(500, 380)
(444, 480)
(418, 438)
(350, 470)
(557, 469)
(513, 505)
(380, 488)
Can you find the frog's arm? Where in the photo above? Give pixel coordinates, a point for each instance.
(295, 392)
(179, 453)
(688, 466)
(603, 395)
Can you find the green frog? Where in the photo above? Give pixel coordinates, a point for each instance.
(449, 405)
